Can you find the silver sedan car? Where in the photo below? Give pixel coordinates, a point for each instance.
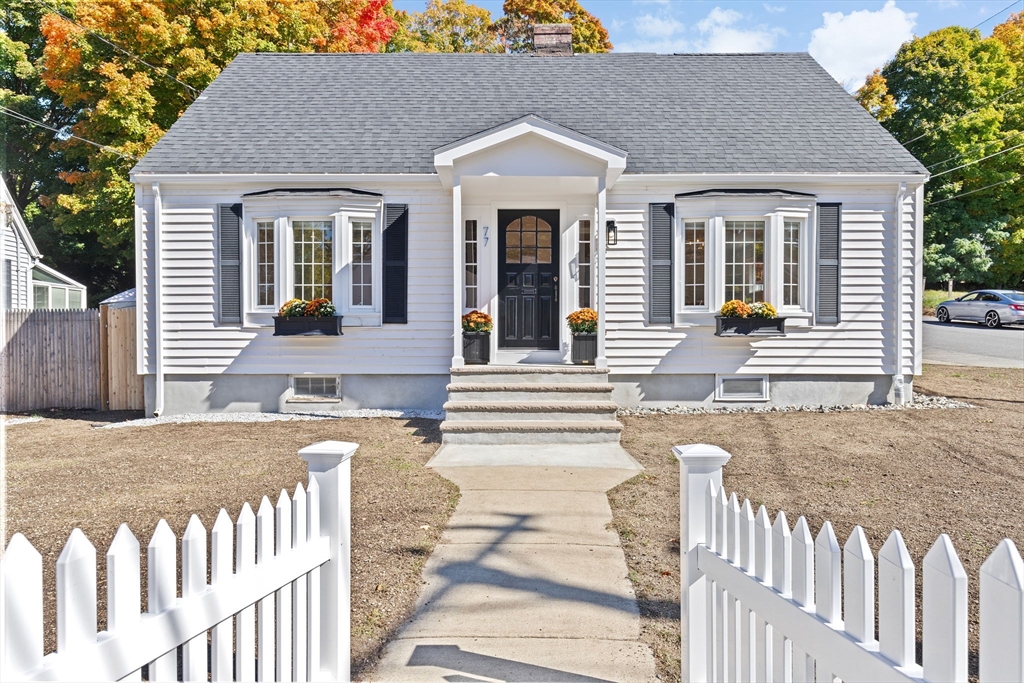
(990, 307)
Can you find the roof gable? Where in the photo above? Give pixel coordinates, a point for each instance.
(388, 113)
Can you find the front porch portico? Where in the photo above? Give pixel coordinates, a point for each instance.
(524, 196)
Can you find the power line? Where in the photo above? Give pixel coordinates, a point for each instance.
(971, 163)
(21, 117)
(996, 14)
(1005, 135)
(964, 194)
(963, 116)
(160, 70)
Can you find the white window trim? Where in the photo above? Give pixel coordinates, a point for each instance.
(250, 267)
(346, 219)
(765, 387)
(715, 213)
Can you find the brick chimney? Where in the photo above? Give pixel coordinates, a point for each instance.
(553, 40)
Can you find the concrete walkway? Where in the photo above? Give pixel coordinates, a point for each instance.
(527, 584)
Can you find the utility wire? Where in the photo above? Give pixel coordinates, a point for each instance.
(996, 14)
(21, 117)
(964, 194)
(1006, 134)
(963, 116)
(971, 163)
(160, 70)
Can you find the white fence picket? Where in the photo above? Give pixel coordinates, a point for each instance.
(283, 531)
(265, 611)
(22, 620)
(124, 586)
(193, 582)
(296, 567)
(1002, 615)
(162, 576)
(828, 575)
(76, 594)
(763, 571)
(782, 582)
(859, 587)
(245, 621)
(944, 614)
(746, 616)
(299, 589)
(803, 593)
(221, 636)
(896, 633)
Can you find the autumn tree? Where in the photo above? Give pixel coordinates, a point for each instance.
(875, 97)
(449, 26)
(954, 98)
(127, 69)
(515, 28)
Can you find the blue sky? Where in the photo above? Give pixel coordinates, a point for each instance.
(849, 38)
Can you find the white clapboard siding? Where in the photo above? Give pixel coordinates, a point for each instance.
(195, 343)
(225, 609)
(871, 261)
(15, 251)
(807, 608)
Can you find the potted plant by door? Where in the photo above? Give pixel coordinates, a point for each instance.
(307, 318)
(476, 338)
(583, 325)
(739, 319)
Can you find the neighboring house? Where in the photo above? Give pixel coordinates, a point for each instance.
(26, 283)
(412, 188)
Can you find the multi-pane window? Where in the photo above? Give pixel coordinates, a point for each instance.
(362, 263)
(265, 263)
(585, 287)
(315, 386)
(472, 265)
(744, 260)
(693, 263)
(528, 240)
(791, 263)
(314, 259)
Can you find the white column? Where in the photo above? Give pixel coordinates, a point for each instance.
(698, 465)
(599, 236)
(330, 464)
(458, 272)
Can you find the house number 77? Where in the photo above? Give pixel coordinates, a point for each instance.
(485, 235)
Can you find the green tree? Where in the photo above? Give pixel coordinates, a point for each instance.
(954, 97)
(515, 28)
(454, 26)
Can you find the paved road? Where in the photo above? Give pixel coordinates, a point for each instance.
(972, 344)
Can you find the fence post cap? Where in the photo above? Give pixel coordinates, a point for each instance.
(701, 455)
(327, 455)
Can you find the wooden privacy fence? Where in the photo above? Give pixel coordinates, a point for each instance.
(763, 602)
(71, 359)
(51, 360)
(276, 608)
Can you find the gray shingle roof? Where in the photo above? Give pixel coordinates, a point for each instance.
(386, 113)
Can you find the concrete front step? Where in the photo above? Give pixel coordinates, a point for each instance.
(561, 391)
(531, 432)
(504, 411)
(529, 374)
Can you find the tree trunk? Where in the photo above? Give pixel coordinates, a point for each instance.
(949, 285)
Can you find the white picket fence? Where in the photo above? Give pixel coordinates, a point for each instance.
(763, 602)
(276, 607)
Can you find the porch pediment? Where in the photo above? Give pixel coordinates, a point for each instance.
(529, 146)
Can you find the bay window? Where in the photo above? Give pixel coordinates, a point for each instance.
(313, 263)
(694, 235)
(266, 245)
(791, 263)
(362, 263)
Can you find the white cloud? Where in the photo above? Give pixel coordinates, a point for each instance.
(719, 31)
(648, 26)
(722, 35)
(850, 46)
(774, 9)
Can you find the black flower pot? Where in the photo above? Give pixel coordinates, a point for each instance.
(476, 348)
(584, 349)
(749, 327)
(307, 326)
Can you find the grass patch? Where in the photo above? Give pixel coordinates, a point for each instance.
(934, 297)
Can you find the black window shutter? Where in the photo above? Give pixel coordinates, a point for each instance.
(229, 250)
(661, 262)
(830, 225)
(396, 263)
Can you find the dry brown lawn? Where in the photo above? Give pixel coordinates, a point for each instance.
(924, 472)
(64, 473)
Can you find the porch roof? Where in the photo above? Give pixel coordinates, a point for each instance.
(388, 113)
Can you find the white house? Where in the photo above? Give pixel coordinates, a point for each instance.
(413, 188)
(26, 282)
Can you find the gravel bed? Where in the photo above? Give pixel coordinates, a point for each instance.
(275, 417)
(920, 402)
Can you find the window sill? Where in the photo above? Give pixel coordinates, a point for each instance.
(313, 399)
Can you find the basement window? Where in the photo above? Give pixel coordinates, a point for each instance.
(307, 388)
(741, 388)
